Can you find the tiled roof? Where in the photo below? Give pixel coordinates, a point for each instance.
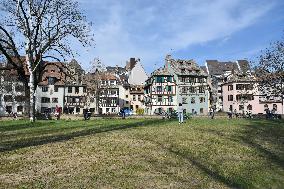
(56, 70)
(108, 76)
(204, 69)
(219, 68)
(185, 67)
(244, 65)
(160, 71)
(115, 69)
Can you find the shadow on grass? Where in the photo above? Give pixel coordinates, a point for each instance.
(265, 132)
(40, 140)
(19, 125)
(271, 132)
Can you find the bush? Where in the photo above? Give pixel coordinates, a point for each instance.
(140, 111)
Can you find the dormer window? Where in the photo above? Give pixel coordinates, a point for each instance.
(51, 81)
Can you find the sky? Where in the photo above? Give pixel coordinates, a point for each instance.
(224, 30)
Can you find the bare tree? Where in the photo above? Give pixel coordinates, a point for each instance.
(270, 71)
(93, 80)
(40, 29)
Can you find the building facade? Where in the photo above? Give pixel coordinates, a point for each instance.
(109, 94)
(13, 92)
(218, 73)
(192, 88)
(241, 95)
(160, 92)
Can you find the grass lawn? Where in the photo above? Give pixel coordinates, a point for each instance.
(137, 153)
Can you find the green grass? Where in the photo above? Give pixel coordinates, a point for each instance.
(137, 153)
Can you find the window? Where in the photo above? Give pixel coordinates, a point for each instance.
(43, 109)
(192, 100)
(159, 88)
(126, 102)
(240, 87)
(139, 97)
(183, 90)
(231, 108)
(160, 79)
(169, 79)
(265, 106)
(113, 92)
(249, 107)
(241, 107)
(182, 70)
(54, 100)
(136, 107)
(77, 110)
(76, 89)
(8, 88)
(113, 110)
(45, 100)
(107, 110)
(183, 79)
(8, 98)
(184, 99)
(44, 89)
(126, 96)
(192, 111)
(200, 80)
(191, 80)
(202, 99)
(19, 98)
(84, 89)
(55, 88)
(201, 90)
(112, 82)
(230, 97)
(192, 90)
(51, 80)
(171, 99)
(201, 110)
(244, 97)
(275, 107)
(160, 98)
(19, 88)
(69, 89)
(169, 88)
(134, 98)
(230, 87)
(20, 108)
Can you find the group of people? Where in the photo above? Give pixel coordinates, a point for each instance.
(57, 113)
(270, 114)
(231, 113)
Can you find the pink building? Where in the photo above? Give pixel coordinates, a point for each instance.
(242, 95)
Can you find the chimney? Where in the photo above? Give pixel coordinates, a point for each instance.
(132, 63)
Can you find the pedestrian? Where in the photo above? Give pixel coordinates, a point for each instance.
(57, 112)
(213, 112)
(236, 114)
(122, 113)
(180, 113)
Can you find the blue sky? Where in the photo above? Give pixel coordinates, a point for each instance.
(188, 29)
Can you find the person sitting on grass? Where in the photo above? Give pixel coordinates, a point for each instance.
(180, 113)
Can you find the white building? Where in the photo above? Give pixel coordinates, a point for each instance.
(136, 72)
(109, 94)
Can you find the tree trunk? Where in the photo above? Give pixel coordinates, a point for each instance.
(31, 91)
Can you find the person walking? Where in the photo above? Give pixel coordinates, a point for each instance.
(180, 113)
